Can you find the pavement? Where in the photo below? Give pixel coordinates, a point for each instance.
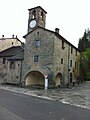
(79, 95)
(5, 114)
(18, 106)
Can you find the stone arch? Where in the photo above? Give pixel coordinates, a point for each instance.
(58, 80)
(35, 79)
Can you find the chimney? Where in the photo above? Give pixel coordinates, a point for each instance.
(2, 36)
(57, 30)
(12, 36)
(16, 36)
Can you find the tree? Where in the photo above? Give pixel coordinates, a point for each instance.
(85, 63)
(84, 42)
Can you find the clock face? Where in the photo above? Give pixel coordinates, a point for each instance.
(33, 23)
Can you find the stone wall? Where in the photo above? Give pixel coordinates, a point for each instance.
(50, 53)
(11, 76)
(8, 42)
(14, 75)
(61, 53)
(45, 52)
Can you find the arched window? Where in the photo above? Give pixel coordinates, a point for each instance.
(34, 14)
(12, 65)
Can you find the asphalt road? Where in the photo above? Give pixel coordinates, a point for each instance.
(16, 106)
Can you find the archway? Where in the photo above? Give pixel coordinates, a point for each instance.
(58, 80)
(35, 79)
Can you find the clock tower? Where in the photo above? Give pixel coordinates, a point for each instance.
(37, 17)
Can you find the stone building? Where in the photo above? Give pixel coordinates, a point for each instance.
(10, 69)
(47, 58)
(9, 47)
(9, 42)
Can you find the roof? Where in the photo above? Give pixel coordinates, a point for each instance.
(15, 52)
(57, 34)
(10, 38)
(18, 56)
(36, 8)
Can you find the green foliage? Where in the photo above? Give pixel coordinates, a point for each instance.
(86, 54)
(88, 76)
(84, 46)
(84, 42)
(85, 63)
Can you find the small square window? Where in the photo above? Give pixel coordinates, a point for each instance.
(36, 58)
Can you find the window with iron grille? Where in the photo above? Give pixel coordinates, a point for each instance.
(36, 58)
(37, 44)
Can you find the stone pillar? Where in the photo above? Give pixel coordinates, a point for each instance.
(46, 82)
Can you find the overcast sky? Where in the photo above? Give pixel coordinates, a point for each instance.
(72, 17)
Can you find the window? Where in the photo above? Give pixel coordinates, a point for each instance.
(70, 77)
(61, 60)
(12, 65)
(70, 63)
(37, 33)
(75, 64)
(12, 43)
(36, 58)
(71, 49)
(37, 43)
(17, 77)
(63, 44)
(4, 60)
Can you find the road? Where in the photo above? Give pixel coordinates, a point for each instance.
(16, 106)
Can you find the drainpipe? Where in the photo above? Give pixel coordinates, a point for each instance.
(46, 82)
(68, 63)
(21, 75)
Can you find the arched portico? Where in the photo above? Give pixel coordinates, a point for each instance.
(58, 80)
(35, 78)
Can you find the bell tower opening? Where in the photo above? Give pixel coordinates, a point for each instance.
(37, 17)
(34, 14)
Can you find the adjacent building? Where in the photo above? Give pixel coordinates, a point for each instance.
(10, 69)
(6, 43)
